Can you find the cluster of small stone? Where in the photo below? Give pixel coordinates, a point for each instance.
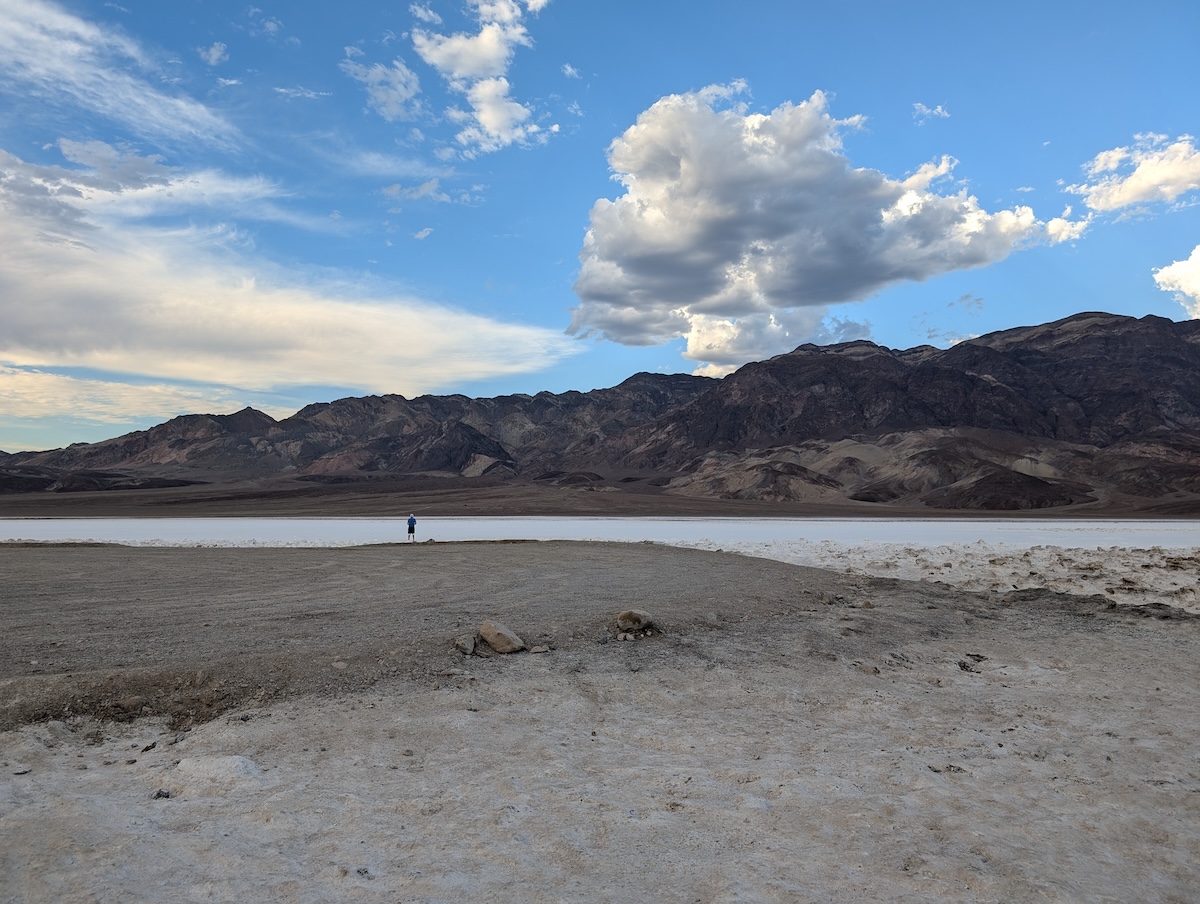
(633, 624)
(494, 637)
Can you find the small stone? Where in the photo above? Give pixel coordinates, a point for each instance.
(162, 794)
(634, 620)
(150, 746)
(465, 644)
(406, 752)
(338, 664)
(500, 638)
(539, 649)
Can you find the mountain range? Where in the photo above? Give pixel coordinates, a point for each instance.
(1093, 412)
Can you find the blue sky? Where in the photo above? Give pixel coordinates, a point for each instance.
(207, 204)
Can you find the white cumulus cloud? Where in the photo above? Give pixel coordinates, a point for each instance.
(736, 229)
(1183, 278)
(475, 65)
(1154, 168)
(461, 57)
(496, 120)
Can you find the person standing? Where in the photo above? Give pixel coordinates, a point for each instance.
(412, 528)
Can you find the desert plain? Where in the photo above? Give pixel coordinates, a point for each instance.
(223, 724)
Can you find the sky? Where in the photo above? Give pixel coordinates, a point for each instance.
(206, 205)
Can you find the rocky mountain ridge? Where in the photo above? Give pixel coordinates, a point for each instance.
(1095, 409)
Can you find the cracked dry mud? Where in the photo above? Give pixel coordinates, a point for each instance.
(295, 725)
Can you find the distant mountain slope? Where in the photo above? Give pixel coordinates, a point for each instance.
(1092, 409)
(376, 434)
(1091, 378)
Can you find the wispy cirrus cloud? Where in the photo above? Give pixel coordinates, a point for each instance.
(31, 393)
(736, 230)
(46, 52)
(391, 90)
(299, 92)
(214, 54)
(922, 114)
(89, 279)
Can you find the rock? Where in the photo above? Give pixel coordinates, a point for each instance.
(539, 649)
(500, 638)
(162, 794)
(634, 620)
(465, 644)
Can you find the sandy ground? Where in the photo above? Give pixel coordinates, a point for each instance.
(294, 725)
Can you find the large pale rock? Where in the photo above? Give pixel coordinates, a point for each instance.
(634, 620)
(500, 638)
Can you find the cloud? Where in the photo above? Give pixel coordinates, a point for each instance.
(423, 233)
(570, 71)
(59, 58)
(1183, 278)
(302, 93)
(922, 114)
(462, 57)
(110, 187)
(735, 230)
(475, 66)
(216, 54)
(496, 119)
(968, 301)
(431, 188)
(33, 393)
(425, 14)
(87, 280)
(391, 91)
(1154, 169)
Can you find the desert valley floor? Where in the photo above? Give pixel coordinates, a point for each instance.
(294, 724)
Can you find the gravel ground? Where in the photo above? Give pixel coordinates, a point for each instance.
(295, 725)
